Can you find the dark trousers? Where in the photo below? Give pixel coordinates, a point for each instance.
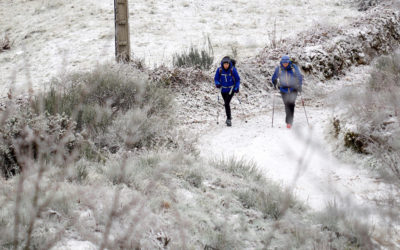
(227, 100)
(289, 99)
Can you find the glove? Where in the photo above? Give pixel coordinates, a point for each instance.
(218, 86)
(236, 90)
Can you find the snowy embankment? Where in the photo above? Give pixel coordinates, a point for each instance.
(323, 53)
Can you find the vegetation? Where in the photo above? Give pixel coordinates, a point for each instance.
(5, 43)
(194, 57)
(375, 114)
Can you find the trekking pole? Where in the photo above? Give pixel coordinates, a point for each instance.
(241, 106)
(218, 108)
(273, 109)
(305, 112)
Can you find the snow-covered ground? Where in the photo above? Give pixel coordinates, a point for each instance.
(304, 158)
(300, 158)
(51, 37)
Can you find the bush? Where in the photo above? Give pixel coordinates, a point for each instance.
(107, 86)
(336, 127)
(343, 230)
(373, 115)
(385, 75)
(5, 43)
(26, 138)
(364, 5)
(271, 200)
(115, 106)
(194, 58)
(356, 142)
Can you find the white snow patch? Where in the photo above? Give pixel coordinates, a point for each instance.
(76, 245)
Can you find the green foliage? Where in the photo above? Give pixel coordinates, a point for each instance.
(194, 58)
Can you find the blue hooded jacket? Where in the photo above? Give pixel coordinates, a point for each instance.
(290, 78)
(224, 78)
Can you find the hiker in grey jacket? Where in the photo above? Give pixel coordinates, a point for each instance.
(288, 78)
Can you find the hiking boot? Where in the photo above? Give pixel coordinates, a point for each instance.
(289, 126)
(228, 122)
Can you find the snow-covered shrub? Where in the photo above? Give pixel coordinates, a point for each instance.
(177, 77)
(202, 59)
(272, 201)
(342, 230)
(36, 209)
(114, 105)
(371, 123)
(169, 200)
(5, 43)
(364, 5)
(356, 142)
(27, 138)
(385, 76)
(117, 87)
(327, 51)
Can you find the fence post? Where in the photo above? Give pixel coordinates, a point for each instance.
(122, 39)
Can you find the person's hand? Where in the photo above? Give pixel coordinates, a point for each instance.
(218, 86)
(236, 90)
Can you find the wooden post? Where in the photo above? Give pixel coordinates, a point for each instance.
(122, 40)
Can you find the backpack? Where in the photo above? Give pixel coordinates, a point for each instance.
(293, 68)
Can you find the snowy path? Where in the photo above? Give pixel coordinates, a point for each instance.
(299, 158)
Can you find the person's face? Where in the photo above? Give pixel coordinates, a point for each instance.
(226, 65)
(285, 64)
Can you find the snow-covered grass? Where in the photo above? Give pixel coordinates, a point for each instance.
(365, 131)
(160, 200)
(170, 198)
(110, 108)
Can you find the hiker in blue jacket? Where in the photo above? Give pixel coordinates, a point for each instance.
(228, 80)
(288, 78)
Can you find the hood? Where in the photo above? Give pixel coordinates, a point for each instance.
(286, 59)
(224, 60)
